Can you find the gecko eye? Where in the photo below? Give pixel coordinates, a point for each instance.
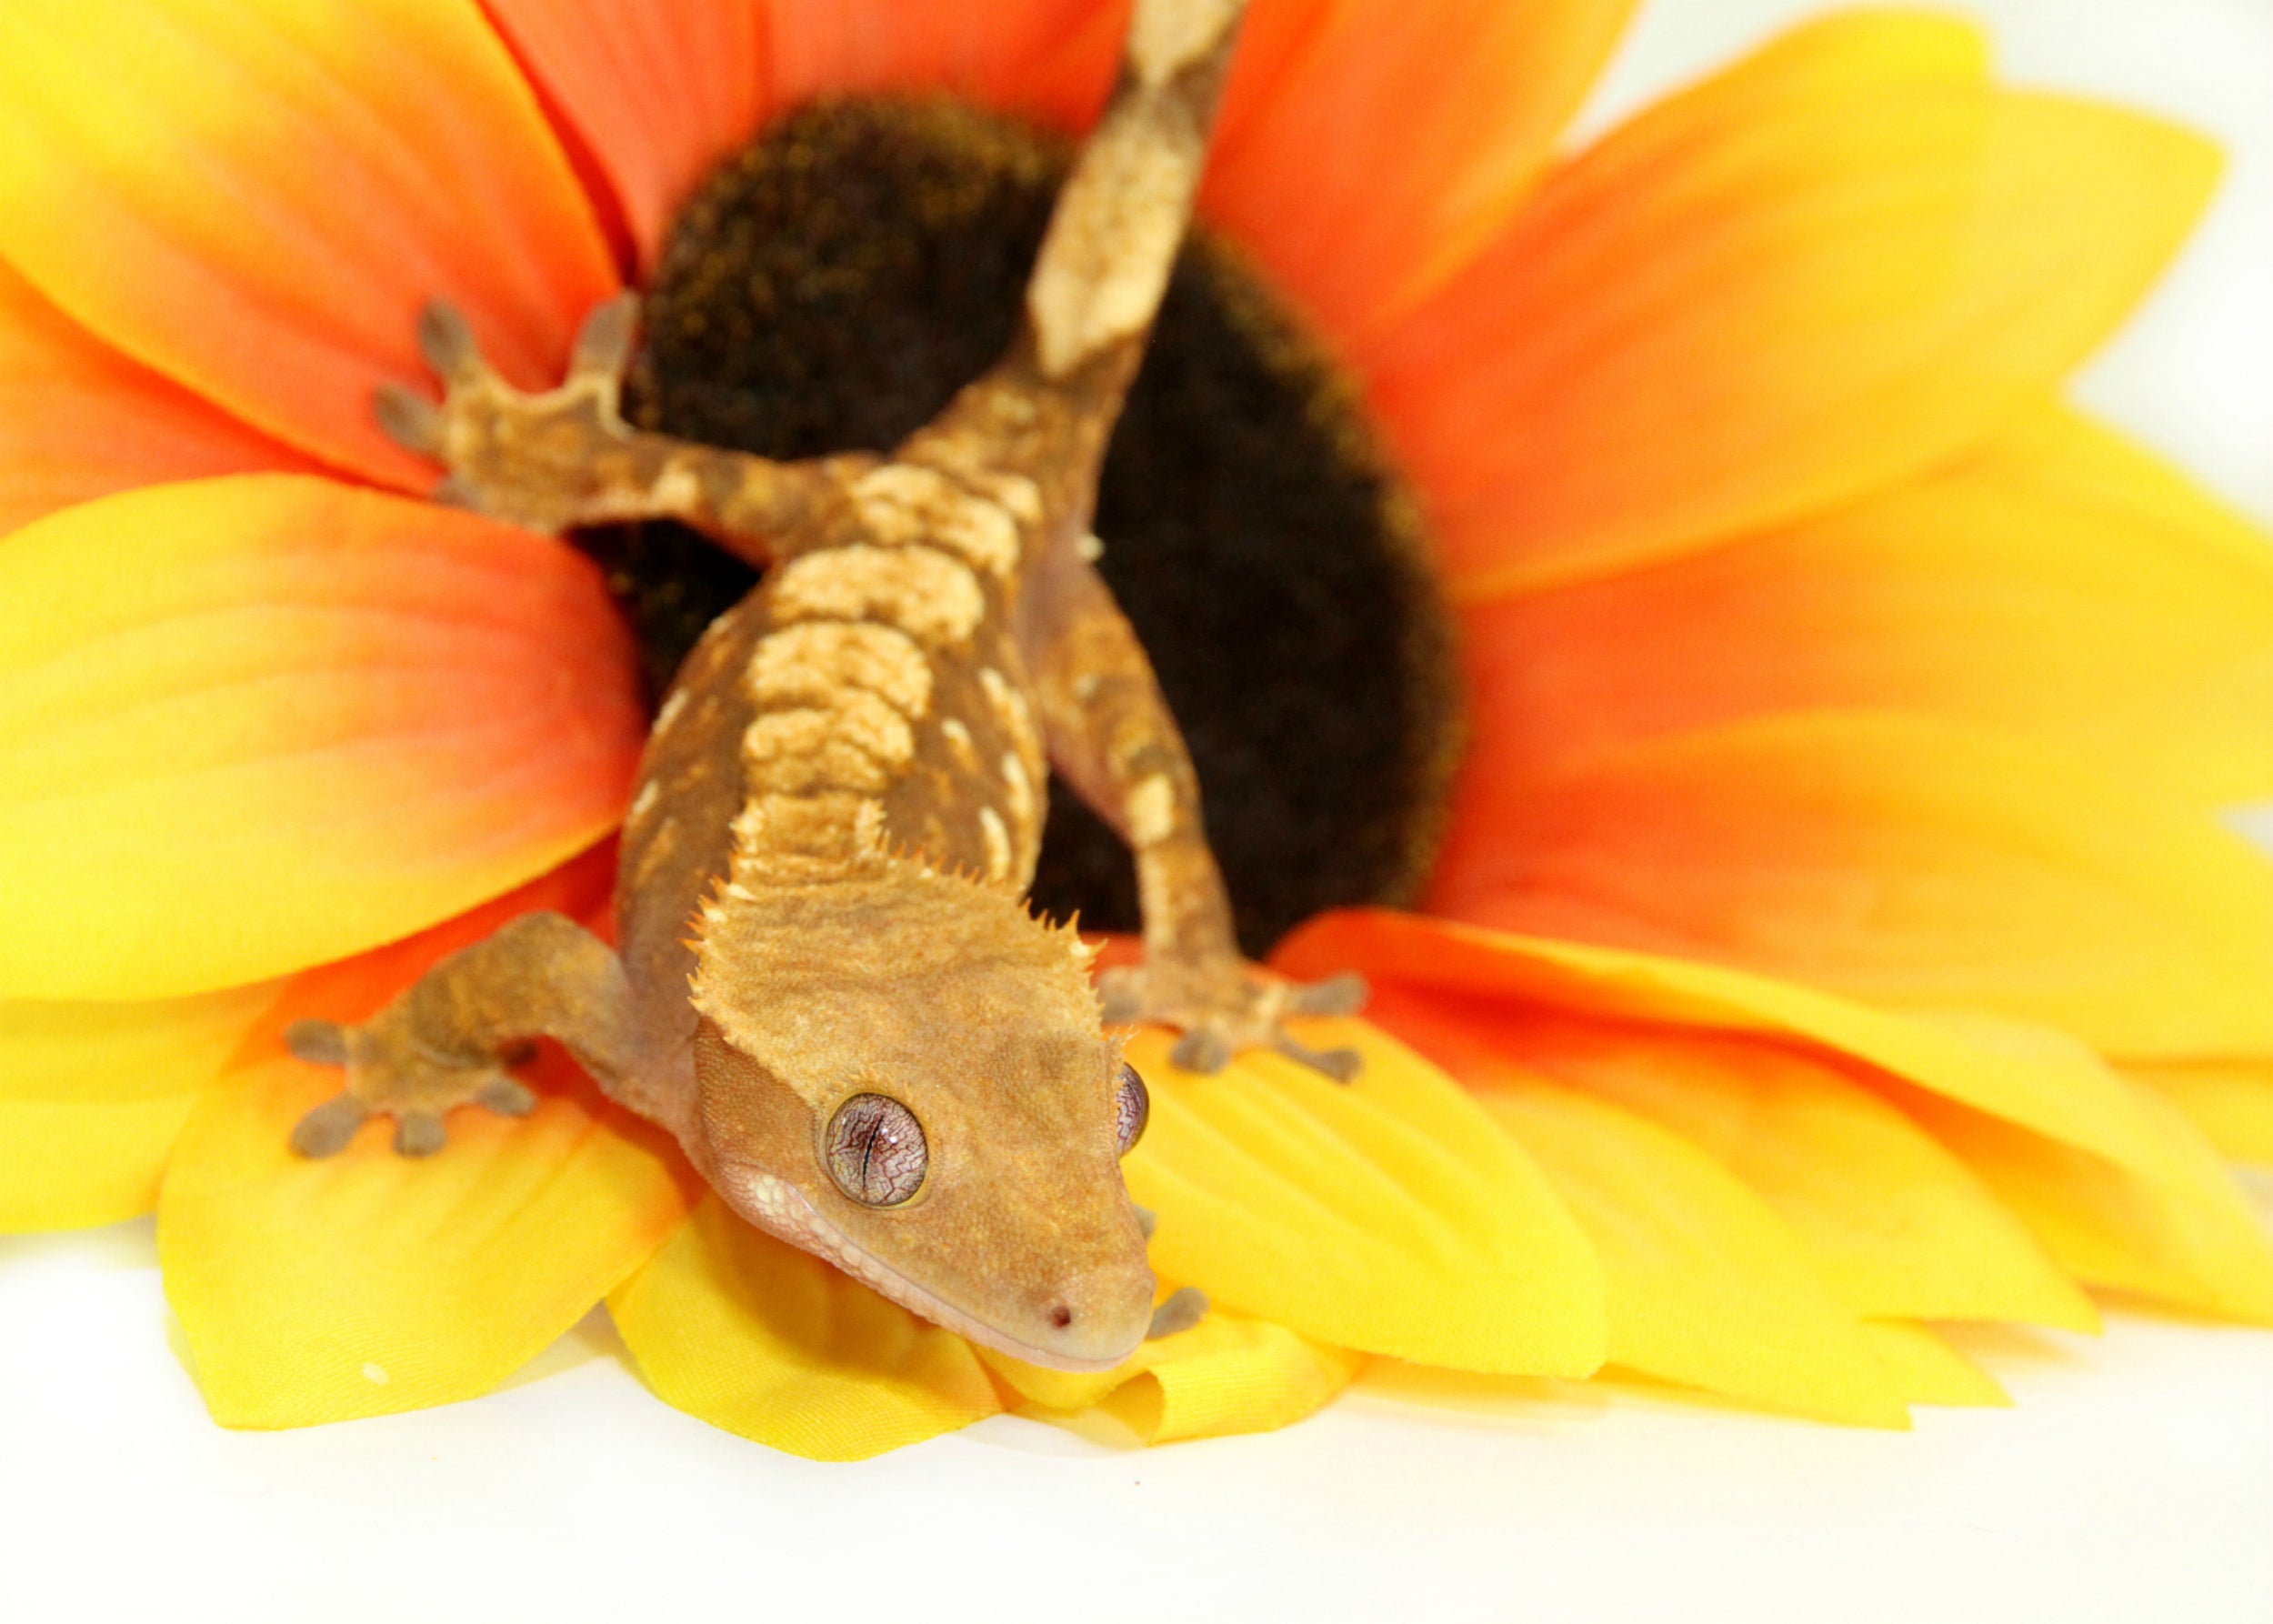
(877, 1152)
(1132, 1109)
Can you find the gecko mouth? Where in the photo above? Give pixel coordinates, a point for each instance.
(832, 284)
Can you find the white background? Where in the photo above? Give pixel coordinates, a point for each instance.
(2135, 1480)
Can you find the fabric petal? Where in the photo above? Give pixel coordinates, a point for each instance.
(1227, 1374)
(2199, 1246)
(2230, 1101)
(1706, 1287)
(1828, 267)
(772, 1344)
(93, 1095)
(78, 420)
(1902, 859)
(1897, 1225)
(2029, 1077)
(255, 197)
(657, 91)
(368, 1283)
(1390, 1216)
(1925, 1369)
(2061, 583)
(843, 47)
(269, 721)
(1416, 131)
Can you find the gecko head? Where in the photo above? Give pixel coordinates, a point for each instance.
(910, 1080)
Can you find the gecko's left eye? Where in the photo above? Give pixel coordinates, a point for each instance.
(876, 1151)
(1131, 1107)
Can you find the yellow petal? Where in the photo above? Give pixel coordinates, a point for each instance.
(1898, 1225)
(1901, 859)
(92, 1096)
(772, 1344)
(2196, 1246)
(1227, 1374)
(1389, 1216)
(2060, 583)
(2027, 1077)
(260, 723)
(1925, 1369)
(255, 197)
(1824, 269)
(2231, 1101)
(1706, 1287)
(314, 1291)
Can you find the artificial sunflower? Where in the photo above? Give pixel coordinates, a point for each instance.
(1798, 735)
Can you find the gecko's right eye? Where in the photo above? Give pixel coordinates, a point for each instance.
(1131, 1107)
(876, 1151)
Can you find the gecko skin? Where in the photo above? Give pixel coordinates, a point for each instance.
(829, 985)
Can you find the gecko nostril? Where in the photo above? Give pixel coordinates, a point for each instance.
(1061, 1317)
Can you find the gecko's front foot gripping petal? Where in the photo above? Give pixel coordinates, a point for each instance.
(1223, 1009)
(536, 460)
(390, 1073)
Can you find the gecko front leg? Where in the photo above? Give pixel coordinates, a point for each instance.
(1112, 735)
(565, 457)
(448, 1039)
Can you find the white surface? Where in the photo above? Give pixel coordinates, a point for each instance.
(2135, 1480)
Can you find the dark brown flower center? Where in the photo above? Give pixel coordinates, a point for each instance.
(832, 284)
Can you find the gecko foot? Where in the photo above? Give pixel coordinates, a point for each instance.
(1221, 1010)
(1180, 1311)
(535, 460)
(390, 1073)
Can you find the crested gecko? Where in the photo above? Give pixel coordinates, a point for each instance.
(827, 984)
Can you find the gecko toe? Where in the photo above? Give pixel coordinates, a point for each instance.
(448, 342)
(1202, 1049)
(325, 1130)
(507, 1097)
(408, 417)
(1180, 1311)
(1342, 1064)
(604, 343)
(1336, 994)
(318, 1042)
(419, 1133)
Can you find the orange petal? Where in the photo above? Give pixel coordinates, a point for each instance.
(269, 721)
(1820, 271)
(1906, 860)
(2061, 583)
(78, 420)
(93, 1095)
(1898, 1226)
(1229, 1374)
(770, 1343)
(841, 47)
(657, 91)
(1925, 1369)
(314, 1291)
(1389, 1216)
(1707, 1287)
(255, 197)
(2198, 1247)
(2231, 1101)
(1415, 130)
(2026, 1076)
